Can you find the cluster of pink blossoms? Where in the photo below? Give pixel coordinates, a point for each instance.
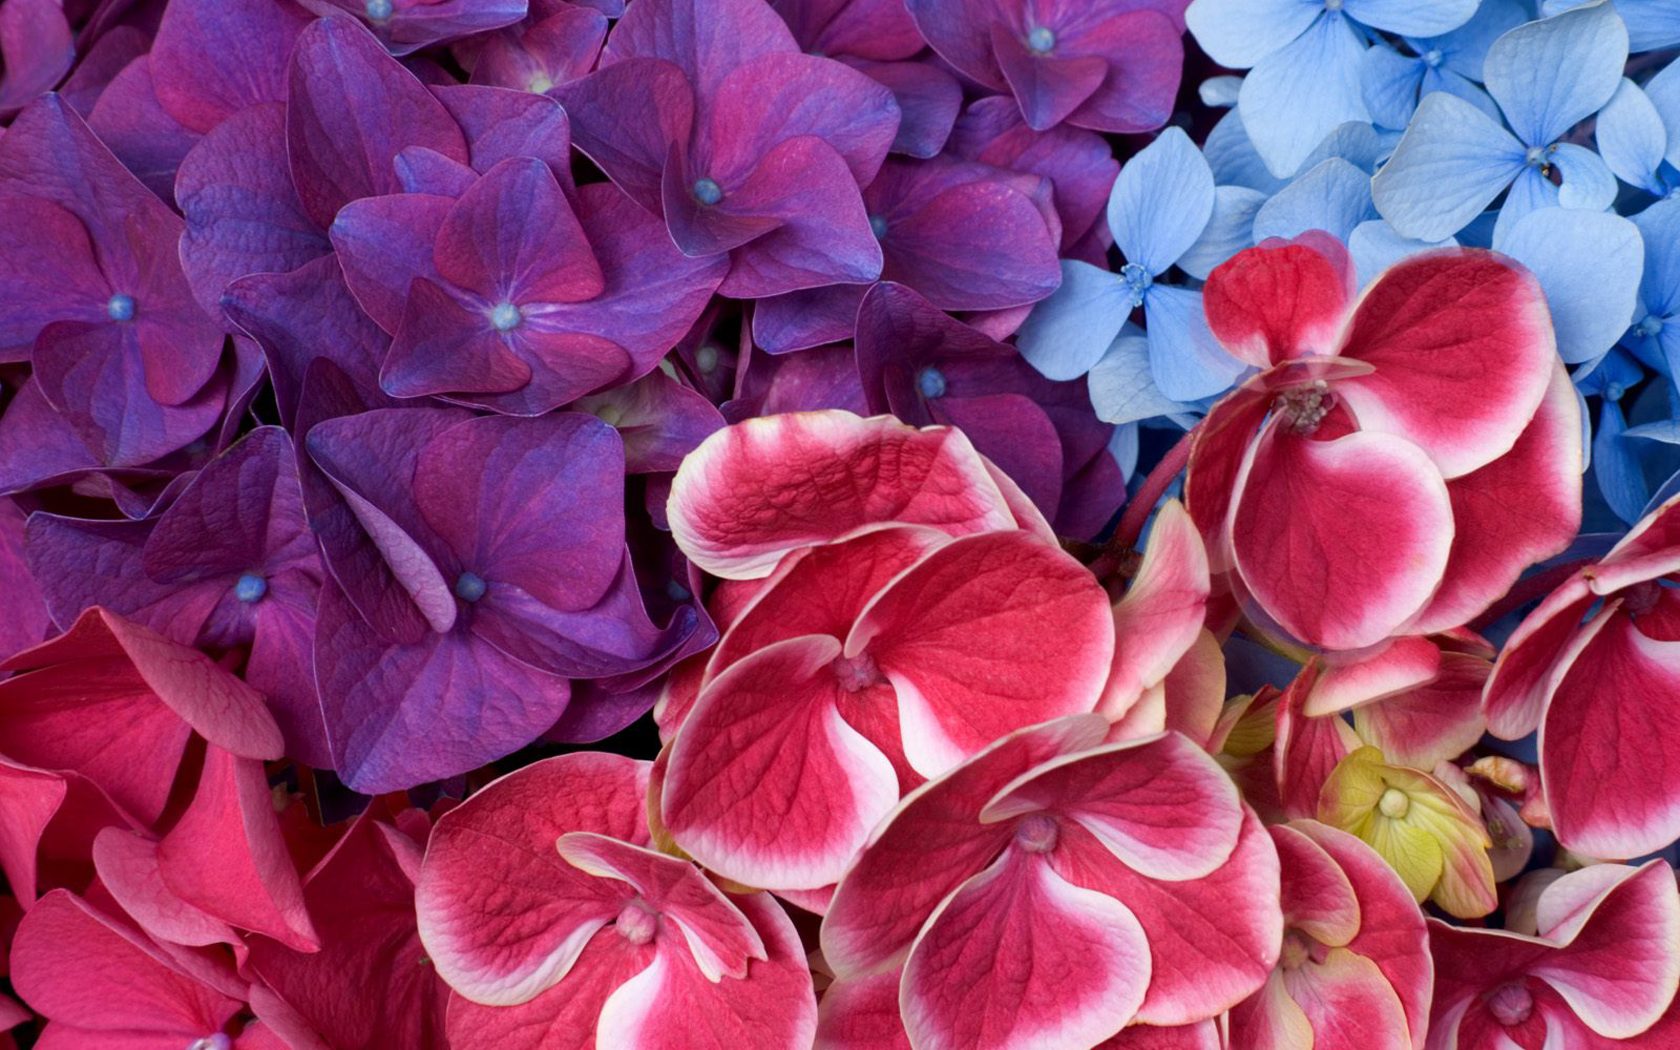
(942, 784)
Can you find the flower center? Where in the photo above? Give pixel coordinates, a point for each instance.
(1137, 281)
(878, 226)
(540, 84)
(706, 359)
(1537, 157)
(707, 191)
(1304, 408)
(219, 1041)
(931, 382)
(250, 587)
(1041, 40)
(1332, 5)
(857, 673)
(636, 923)
(1650, 326)
(120, 307)
(1510, 1004)
(1432, 58)
(1641, 598)
(505, 317)
(379, 10)
(470, 586)
(1037, 833)
(1295, 951)
(1394, 804)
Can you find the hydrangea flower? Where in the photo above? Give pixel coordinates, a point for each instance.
(1304, 61)
(1455, 159)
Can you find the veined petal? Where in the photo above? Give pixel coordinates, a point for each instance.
(1549, 75)
(1451, 163)
(1281, 299)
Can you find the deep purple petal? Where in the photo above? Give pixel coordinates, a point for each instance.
(512, 239)
(868, 29)
(130, 120)
(627, 118)
(351, 109)
(213, 58)
(47, 273)
(500, 124)
(386, 243)
(444, 347)
(928, 100)
(35, 50)
(807, 318)
(1047, 87)
(659, 419)
(535, 57)
(706, 39)
(414, 24)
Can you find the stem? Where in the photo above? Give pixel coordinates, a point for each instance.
(1528, 589)
(1139, 507)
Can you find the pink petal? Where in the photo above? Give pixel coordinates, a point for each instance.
(1281, 299)
(758, 489)
(1516, 693)
(1392, 932)
(1193, 695)
(1217, 449)
(1162, 612)
(226, 856)
(1307, 749)
(1212, 940)
(1435, 722)
(1620, 972)
(767, 784)
(931, 845)
(128, 867)
(1318, 899)
(862, 1014)
(1463, 348)
(563, 1017)
(723, 941)
(502, 916)
(983, 636)
(1204, 1035)
(1403, 664)
(1520, 509)
(1349, 1003)
(1018, 957)
(80, 968)
(1340, 541)
(1607, 733)
(672, 1006)
(1161, 805)
(822, 589)
(1650, 549)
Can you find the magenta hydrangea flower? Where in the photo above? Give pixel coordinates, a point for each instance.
(730, 151)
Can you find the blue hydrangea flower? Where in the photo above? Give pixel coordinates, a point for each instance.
(1653, 25)
(1158, 208)
(1638, 132)
(1655, 335)
(1546, 77)
(1393, 81)
(1305, 59)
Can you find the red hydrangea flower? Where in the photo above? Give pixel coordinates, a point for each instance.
(1049, 891)
(1399, 460)
(1598, 969)
(542, 906)
(1596, 668)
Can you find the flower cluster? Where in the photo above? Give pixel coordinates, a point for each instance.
(860, 524)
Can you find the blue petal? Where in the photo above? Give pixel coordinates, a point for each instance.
(1457, 85)
(1161, 201)
(1464, 49)
(1587, 182)
(1451, 163)
(1335, 197)
(1389, 82)
(1631, 137)
(1664, 92)
(1295, 97)
(1232, 157)
(1411, 18)
(1531, 192)
(1239, 33)
(1660, 287)
(1616, 466)
(1229, 231)
(1123, 387)
(1187, 362)
(1611, 375)
(1356, 142)
(1375, 247)
(1653, 25)
(1550, 75)
(1070, 331)
(1219, 92)
(1588, 263)
(1123, 446)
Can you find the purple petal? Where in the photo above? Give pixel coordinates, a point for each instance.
(659, 419)
(243, 216)
(1047, 87)
(1144, 51)
(35, 50)
(351, 109)
(445, 347)
(427, 171)
(386, 243)
(627, 118)
(512, 239)
(867, 29)
(706, 39)
(928, 102)
(213, 58)
(27, 621)
(500, 124)
(400, 715)
(37, 444)
(303, 315)
(110, 55)
(47, 273)
(964, 235)
(414, 24)
(533, 58)
(807, 318)
(960, 33)
(130, 120)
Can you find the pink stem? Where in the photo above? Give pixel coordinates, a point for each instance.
(1138, 509)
